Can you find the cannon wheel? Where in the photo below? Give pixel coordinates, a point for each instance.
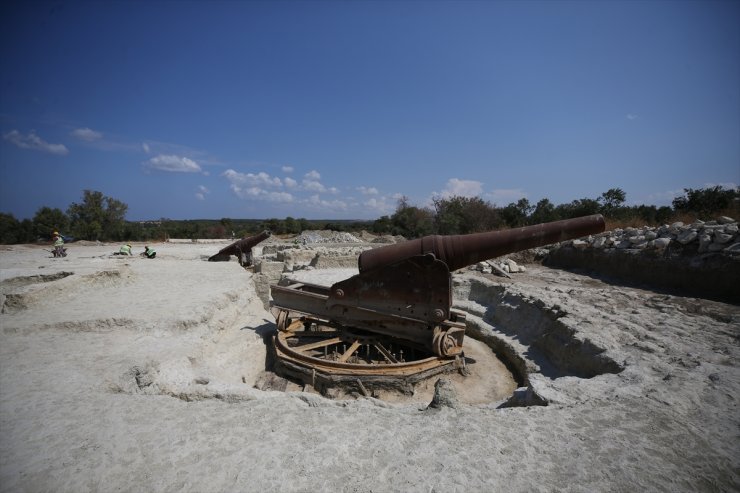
(284, 322)
(345, 352)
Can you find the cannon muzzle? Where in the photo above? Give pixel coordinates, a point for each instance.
(239, 247)
(458, 251)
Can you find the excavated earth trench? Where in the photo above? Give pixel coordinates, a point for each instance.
(510, 337)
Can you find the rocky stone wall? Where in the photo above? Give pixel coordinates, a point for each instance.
(701, 259)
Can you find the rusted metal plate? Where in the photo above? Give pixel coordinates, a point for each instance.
(417, 288)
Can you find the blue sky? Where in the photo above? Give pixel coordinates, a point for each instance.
(336, 109)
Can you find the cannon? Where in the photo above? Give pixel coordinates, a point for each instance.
(401, 297)
(242, 249)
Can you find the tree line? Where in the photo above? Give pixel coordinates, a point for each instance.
(463, 215)
(101, 218)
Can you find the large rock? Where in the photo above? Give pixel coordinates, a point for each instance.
(704, 242)
(722, 238)
(686, 237)
(444, 395)
(662, 242)
(270, 269)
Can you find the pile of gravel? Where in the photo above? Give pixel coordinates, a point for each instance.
(311, 237)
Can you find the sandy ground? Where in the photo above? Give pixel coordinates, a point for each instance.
(128, 374)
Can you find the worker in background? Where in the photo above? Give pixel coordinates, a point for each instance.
(124, 250)
(59, 250)
(149, 252)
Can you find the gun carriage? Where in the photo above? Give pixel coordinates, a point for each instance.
(393, 323)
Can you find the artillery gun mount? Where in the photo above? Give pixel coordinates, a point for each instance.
(242, 249)
(392, 326)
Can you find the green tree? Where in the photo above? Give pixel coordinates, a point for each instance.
(228, 226)
(10, 229)
(303, 224)
(544, 212)
(663, 214)
(98, 217)
(48, 220)
(273, 224)
(612, 202)
(292, 226)
(578, 208)
(516, 214)
(411, 221)
(707, 201)
(464, 215)
(614, 197)
(382, 225)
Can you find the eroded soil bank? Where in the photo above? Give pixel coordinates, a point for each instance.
(707, 275)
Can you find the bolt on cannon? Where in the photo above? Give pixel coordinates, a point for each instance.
(392, 324)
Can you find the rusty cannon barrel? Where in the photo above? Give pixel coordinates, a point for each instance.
(241, 248)
(458, 251)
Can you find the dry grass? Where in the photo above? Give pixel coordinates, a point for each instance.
(684, 217)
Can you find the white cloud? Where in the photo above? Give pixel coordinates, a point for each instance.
(86, 134)
(201, 193)
(632, 116)
(251, 186)
(313, 186)
(264, 187)
(331, 205)
(145, 146)
(174, 164)
(380, 205)
(505, 196)
(463, 188)
(279, 197)
(257, 193)
(251, 180)
(33, 141)
(311, 182)
(287, 169)
(368, 191)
